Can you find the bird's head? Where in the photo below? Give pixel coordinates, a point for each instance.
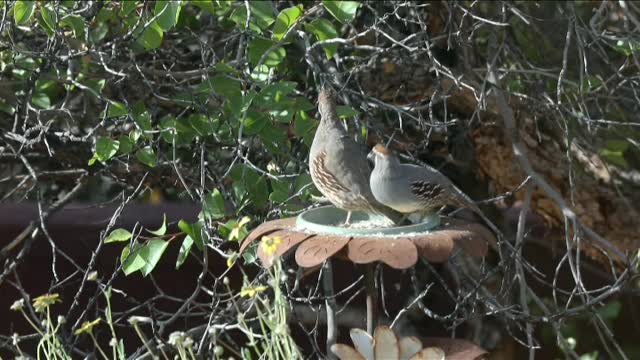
(327, 103)
(379, 153)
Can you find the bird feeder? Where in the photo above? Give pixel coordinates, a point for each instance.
(317, 235)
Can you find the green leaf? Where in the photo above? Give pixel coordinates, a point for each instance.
(41, 100)
(95, 85)
(168, 128)
(168, 124)
(259, 46)
(346, 111)
(116, 109)
(251, 182)
(280, 191)
(131, 260)
(202, 124)
(323, 29)
(98, 32)
(274, 138)
(285, 20)
(230, 88)
(591, 82)
(275, 92)
(213, 205)
(261, 16)
(303, 182)
(226, 86)
(142, 118)
(48, 17)
(249, 255)
(22, 11)
(152, 36)
(106, 148)
(147, 156)
(126, 144)
(627, 47)
(162, 229)
(343, 11)
(205, 5)
(93, 160)
(615, 157)
(194, 231)
(260, 73)
(254, 122)
(185, 249)
(170, 13)
(304, 127)
(617, 145)
(118, 235)
(151, 253)
(184, 131)
(46, 21)
(614, 152)
(128, 7)
(7, 108)
(76, 23)
(610, 311)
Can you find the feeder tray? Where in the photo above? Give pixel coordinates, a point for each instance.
(319, 237)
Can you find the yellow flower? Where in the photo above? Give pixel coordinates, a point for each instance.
(232, 259)
(270, 244)
(251, 291)
(237, 228)
(87, 327)
(43, 301)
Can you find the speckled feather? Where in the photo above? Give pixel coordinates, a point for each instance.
(338, 165)
(409, 188)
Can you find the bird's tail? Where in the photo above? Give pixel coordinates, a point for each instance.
(464, 201)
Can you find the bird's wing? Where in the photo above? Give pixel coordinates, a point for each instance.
(325, 175)
(430, 185)
(348, 161)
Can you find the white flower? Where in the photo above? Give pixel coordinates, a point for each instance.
(17, 305)
(139, 319)
(93, 276)
(385, 345)
(180, 339)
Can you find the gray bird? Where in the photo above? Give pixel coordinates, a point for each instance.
(338, 165)
(409, 188)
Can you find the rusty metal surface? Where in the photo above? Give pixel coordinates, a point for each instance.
(456, 349)
(435, 247)
(318, 248)
(266, 229)
(397, 252)
(289, 240)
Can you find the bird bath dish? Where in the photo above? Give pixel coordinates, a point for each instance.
(329, 220)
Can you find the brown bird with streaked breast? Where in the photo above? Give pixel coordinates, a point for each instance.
(338, 165)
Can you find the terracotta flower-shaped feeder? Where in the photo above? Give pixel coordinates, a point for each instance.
(385, 345)
(318, 235)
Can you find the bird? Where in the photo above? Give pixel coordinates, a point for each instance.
(409, 188)
(338, 165)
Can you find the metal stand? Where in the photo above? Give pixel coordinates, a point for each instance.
(372, 297)
(330, 303)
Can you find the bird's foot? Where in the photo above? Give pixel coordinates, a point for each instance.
(347, 221)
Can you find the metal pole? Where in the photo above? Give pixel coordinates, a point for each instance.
(372, 297)
(330, 303)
